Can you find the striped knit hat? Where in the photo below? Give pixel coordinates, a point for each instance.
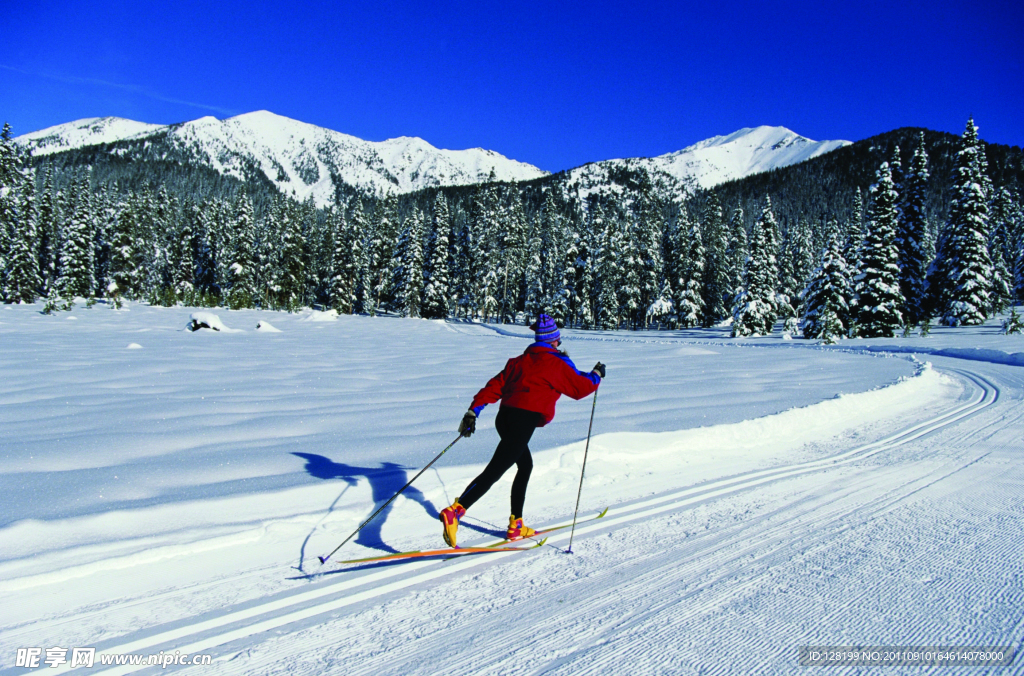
(545, 329)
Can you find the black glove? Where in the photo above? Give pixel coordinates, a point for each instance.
(468, 424)
(599, 370)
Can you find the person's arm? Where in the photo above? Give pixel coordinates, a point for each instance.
(575, 383)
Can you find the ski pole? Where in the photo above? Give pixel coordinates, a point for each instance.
(580, 491)
(323, 559)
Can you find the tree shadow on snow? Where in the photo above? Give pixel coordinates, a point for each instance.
(385, 481)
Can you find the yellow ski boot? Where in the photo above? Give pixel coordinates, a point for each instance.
(450, 520)
(516, 529)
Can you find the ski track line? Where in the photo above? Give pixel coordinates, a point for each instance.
(822, 529)
(706, 552)
(293, 606)
(489, 639)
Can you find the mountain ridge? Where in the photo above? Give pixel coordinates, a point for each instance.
(306, 161)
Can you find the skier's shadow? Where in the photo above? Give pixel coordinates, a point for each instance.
(384, 483)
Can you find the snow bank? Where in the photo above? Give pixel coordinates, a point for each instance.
(266, 327)
(702, 453)
(320, 316)
(971, 353)
(208, 320)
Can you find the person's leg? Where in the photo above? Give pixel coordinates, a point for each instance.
(525, 467)
(515, 427)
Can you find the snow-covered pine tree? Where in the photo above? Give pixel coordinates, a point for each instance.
(969, 266)
(536, 298)
(789, 288)
(606, 270)
(183, 255)
(689, 303)
(8, 203)
(911, 238)
(23, 281)
(716, 289)
(585, 313)
(291, 268)
(649, 228)
(46, 224)
(76, 262)
(513, 257)
(630, 292)
(1001, 282)
(755, 310)
(877, 283)
(380, 250)
(487, 237)
(736, 255)
(126, 276)
(357, 226)
(105, 220)
(803, 260)
(829, 287)
(241, 256)
(341, 266)
(437, 289)
(19, 267)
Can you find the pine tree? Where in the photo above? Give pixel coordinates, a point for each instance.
(437, 292)
(649, 228)
(46, 223)
(291, 269)
(755, 311)
(241, 258)
(183, 256)
(969, 266)
(716, 290)
(877, 284)
(606, 267)
(76, 261)
(8, 204)
(513, 258)
(736, 255)
(829, 287)
(689, 303)
(23, 282)
(911, 237)
(630, 293)
(343, 266)
(127, 275)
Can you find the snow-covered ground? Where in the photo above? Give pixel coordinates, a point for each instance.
(166, 490)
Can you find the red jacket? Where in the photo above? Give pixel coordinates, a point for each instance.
(535, 380)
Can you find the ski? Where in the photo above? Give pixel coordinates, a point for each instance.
(545, 531)
(451, 551)
(500, 546)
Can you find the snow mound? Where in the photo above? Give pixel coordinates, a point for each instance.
(266, 327)
(133, 346)
(207, 320)
(319, 316)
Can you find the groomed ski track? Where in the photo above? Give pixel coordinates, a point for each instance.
(636, 599)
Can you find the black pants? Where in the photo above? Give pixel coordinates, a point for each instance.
(515, 427)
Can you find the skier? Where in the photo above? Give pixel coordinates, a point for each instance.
(528, 388)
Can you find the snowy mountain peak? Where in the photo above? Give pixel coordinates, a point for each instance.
(716, 160)
(301, 159)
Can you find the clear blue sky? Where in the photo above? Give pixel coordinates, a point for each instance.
(554, 84)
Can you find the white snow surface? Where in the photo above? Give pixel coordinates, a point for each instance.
(301, 159)
(763, 494)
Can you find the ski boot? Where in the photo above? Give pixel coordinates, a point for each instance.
(516, 529)
(450, 520)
